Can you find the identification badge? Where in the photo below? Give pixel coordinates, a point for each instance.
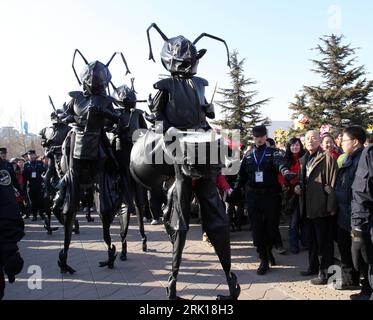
(259, 177)
(33, 175)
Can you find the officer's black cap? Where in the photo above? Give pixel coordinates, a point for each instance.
(31, 152)
(3, 150)
(259, 131)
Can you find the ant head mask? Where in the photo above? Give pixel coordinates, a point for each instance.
(95, 77)
(125, 96)
(179, 55)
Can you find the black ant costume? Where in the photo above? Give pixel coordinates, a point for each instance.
(52, 139)
(180, 103)
(87, 155)
(134, 194)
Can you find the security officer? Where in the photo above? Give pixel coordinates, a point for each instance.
(9, 166)
(33, 180)
(362, 223)
(258, 175)
(11, 229)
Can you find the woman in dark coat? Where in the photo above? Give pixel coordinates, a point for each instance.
(294, 151)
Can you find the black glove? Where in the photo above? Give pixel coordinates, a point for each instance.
(13, 266)
(12, 261)
(235, 197)
(289, 176)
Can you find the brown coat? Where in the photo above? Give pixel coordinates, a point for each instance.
(314, 201)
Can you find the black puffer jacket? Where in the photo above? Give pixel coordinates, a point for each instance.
(11, 222)
(343, 189)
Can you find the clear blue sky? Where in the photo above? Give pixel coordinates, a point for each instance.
(38, 38)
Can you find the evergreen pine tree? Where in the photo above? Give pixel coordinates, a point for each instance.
(239, 109)
(343, 98)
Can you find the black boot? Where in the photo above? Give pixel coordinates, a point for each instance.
(171, 289)
(321, 280)
(76, 227)
(88, 216)
(42, 216)
(263, 267)
(47, 226)
(49, 229)
(112, 256)
(271, 258)
(350, 279)
(234, 288)
(62, 263)
(123, 255)
(365, 294)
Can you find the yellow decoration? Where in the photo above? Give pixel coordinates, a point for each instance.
(370, 128)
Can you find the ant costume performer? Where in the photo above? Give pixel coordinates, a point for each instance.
(180, 103)
(133, 193)
(51, 140)
(87, 155)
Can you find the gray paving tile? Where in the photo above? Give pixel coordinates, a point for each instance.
(144, 275)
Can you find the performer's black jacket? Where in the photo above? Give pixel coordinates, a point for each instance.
(180, 103)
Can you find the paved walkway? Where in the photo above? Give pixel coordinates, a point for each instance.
(143, 276)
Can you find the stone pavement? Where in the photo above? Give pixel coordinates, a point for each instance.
(144, 275)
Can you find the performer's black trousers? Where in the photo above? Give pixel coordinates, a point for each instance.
(215, 221)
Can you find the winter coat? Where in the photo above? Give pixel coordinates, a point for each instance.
(314, 201)
(343, 189)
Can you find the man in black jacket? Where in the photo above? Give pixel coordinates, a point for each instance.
(352, 143)
(33, 184)
(258, 175)
(362, 222)
(11, 229)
